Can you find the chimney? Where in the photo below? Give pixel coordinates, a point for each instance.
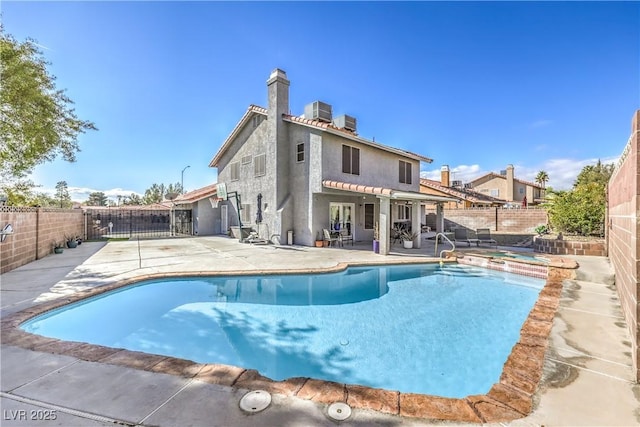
(509, 183)
(444, 176)
(278, 92)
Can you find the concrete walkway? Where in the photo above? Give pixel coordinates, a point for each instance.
(587, 379)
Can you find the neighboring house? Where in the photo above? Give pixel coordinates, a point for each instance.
(205, 217)
(466, 197)
(506, 186)
(314, 172)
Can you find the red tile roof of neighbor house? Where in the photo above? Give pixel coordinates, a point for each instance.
(466, 194)
(318, 124)
(198, 194)
(497, 175)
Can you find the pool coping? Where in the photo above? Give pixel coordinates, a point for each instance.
(509, 399)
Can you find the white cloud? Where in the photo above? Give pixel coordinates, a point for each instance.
(540, 124)
(464, 173)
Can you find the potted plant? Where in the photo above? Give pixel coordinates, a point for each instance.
(319, 241)
(407, 238)
(72, 242)
(58, 248)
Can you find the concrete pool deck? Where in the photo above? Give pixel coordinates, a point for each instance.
(586, 380)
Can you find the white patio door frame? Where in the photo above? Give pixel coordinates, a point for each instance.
(345, 214)
(224, 219)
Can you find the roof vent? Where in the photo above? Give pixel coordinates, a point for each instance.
(318, 111)
(345, 122)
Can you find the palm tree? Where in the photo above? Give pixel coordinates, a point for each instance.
(542, 177)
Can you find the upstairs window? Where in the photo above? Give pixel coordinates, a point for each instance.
(260, 165)
(300, 152)
(350, 160)
(405, 172)
(234, 171)
(246, 159)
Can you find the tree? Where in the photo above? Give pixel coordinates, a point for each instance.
(542, 177)
(157, 192)
(132, 199)
(62, 194)
(582, 209)
(37, 121)
(97, 198)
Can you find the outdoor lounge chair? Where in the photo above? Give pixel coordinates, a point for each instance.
(460, 236)
(345, 236)
(329, 238)
(484, 236)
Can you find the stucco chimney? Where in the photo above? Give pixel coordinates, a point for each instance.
(509, 195)
(444, 176)
(278, 90)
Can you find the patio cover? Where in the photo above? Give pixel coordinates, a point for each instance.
(386, 192)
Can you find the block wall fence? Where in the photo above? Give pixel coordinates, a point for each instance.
(34, 232)
(622, 235)
(496, 219)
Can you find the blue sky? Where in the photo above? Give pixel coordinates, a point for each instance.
(474, 85)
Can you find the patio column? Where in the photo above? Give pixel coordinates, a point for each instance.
(439, 218)
(384, 225)
(416, 225)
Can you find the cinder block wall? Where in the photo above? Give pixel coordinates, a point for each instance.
(622, 235)
(495, 219)
(35, 231)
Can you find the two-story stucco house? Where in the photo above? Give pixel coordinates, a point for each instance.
(506, 186)
(313, 172)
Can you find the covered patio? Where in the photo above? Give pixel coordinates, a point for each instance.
(393, 210)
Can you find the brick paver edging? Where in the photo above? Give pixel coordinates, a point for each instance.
(509, 399)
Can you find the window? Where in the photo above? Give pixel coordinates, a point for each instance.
(260, 165)
(255, 121)
(494, 192)
(350, 160)
(368, 216)
(245, 213)
(405, 172)
(340, 216)
(300, 151)
(235, 171)
(246, 159)
(521, 190)
(404, 212)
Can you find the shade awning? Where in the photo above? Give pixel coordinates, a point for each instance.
(385, 192)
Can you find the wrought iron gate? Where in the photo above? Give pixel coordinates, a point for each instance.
(142, 223)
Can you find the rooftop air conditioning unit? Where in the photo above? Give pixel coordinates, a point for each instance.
(503, 172)
(318, 111)
(456, 184)
(345, 122)
(468, 185)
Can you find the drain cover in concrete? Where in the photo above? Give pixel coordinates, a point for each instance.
(339, 411)
(255, 401)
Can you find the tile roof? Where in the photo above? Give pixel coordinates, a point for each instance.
(463, 194)
(380, 191)
(198, 194)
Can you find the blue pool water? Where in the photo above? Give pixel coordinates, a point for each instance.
(416, 328)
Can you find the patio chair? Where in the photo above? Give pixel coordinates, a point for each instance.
(329, 238)
(396, 235)
(346, 236)
(460, 236)
(484, 236)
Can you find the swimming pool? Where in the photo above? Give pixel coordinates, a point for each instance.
(413, 328)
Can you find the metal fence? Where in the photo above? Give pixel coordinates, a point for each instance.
(137, 223)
